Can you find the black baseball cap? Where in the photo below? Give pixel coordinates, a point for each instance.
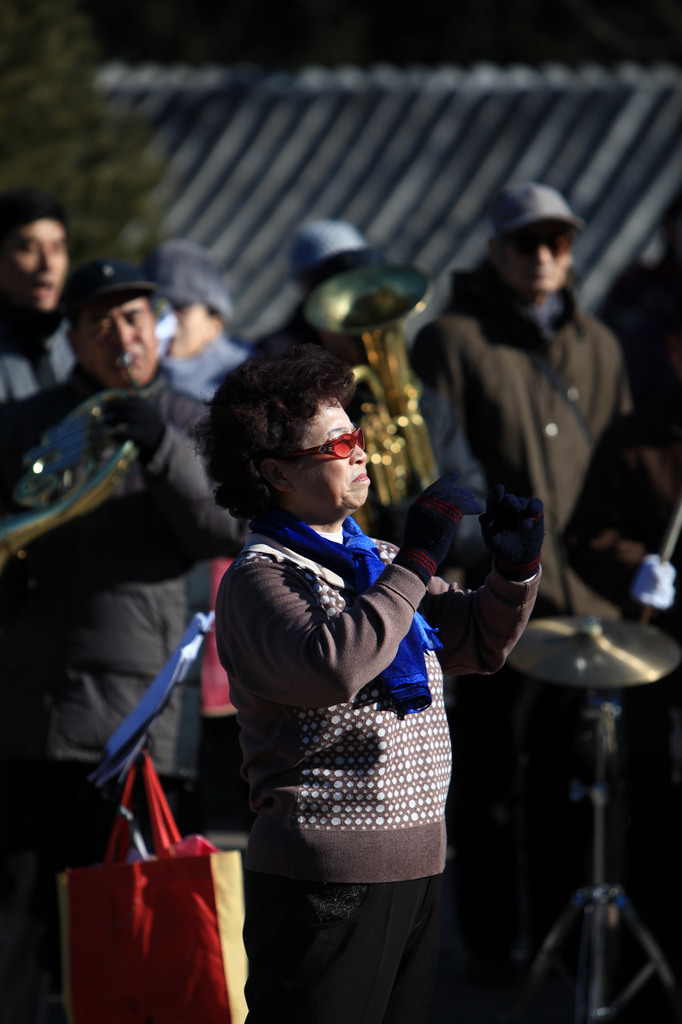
(104, 277)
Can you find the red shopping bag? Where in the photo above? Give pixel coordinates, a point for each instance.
(154, 941)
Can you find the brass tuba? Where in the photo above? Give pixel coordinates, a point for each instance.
(73, 469)
(374, 302)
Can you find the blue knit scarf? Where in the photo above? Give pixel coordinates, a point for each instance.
(357, 558)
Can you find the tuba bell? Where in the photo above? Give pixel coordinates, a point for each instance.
(374, 302)
(74, 468)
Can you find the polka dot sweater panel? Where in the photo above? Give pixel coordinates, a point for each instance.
(365, 768)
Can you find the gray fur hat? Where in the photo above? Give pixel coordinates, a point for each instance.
(187, 273)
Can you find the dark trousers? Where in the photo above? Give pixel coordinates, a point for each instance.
(321, 953)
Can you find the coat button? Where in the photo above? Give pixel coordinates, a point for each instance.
(572, 393)
(551, 430)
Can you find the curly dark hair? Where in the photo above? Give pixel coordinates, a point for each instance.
(262, 409)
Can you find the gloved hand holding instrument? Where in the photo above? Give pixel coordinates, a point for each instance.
(136, 420)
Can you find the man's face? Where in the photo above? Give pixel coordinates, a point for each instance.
(534, 260)
(113, 327)
(34, 261)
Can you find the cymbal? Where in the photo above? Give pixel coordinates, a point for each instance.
(594, 654)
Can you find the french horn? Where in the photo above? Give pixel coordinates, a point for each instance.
(73, 469)
(374, 303)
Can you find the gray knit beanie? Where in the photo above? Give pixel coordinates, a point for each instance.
(187, 273)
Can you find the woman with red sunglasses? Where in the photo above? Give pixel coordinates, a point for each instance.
(335, 645)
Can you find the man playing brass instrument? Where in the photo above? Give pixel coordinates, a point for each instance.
(94, 607)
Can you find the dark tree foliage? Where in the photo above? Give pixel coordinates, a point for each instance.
(290, 33)
(56, 133)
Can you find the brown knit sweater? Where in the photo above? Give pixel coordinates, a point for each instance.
(345, 790)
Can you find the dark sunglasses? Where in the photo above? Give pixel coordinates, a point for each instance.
(527, 243)
(340, 447)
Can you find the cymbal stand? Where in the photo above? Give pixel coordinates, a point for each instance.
(603, 905)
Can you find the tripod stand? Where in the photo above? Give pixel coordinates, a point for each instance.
(603, 905)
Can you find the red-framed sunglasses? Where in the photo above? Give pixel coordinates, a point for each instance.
(340, 447)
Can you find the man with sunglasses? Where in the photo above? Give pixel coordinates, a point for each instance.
(534, 381)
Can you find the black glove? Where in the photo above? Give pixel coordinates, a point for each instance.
(134, 419)
(512, 530)
(431, 523)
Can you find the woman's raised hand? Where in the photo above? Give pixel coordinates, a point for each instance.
(431, 523)
(513, 529)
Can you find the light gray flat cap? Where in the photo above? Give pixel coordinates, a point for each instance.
(527, 203)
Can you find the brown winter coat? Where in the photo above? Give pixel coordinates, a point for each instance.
(479, 355)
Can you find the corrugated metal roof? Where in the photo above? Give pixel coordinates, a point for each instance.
(412, 157)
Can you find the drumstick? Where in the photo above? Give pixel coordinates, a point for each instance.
(670, 537)
(668, 545)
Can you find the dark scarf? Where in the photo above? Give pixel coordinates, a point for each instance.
(29, 326)
(406, 678)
